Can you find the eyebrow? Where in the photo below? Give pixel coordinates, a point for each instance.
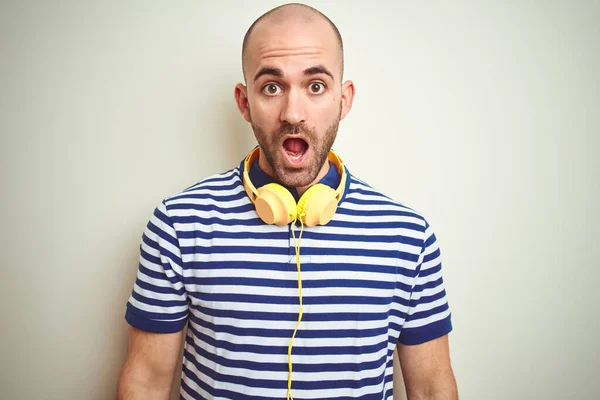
(268, 71)
(317, 69)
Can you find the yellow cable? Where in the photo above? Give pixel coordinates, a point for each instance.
(297, 247)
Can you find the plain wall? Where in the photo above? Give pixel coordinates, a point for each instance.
(484, 116)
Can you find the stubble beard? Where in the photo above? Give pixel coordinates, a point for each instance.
(270, 145)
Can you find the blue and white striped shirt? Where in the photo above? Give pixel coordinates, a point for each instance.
(371, 279)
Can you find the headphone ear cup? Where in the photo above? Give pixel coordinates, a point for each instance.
(317, 205)
(275, 205)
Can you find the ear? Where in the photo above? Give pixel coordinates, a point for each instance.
(241, 99)
(347, 97)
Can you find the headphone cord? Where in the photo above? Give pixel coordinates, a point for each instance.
(297, 247)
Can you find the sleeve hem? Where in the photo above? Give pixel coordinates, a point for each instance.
(150, 325)
(426, 333)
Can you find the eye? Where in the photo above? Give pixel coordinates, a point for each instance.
(316, 88)
(271, 89)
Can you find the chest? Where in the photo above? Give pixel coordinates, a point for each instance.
(264, 272)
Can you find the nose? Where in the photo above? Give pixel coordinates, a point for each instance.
(294, 108)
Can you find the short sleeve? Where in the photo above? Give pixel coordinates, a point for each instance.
(158, 302)
(428, 315)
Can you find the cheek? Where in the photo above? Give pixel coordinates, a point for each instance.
(265, 112)
(326, 113)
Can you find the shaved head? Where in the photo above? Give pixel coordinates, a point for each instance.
(286, 13)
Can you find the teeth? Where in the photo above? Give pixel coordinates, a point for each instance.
(295, 157)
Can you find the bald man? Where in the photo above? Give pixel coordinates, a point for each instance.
(294, 278)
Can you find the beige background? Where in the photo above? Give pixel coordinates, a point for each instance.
(482, 115)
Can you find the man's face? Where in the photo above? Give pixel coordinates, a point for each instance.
(294, 98)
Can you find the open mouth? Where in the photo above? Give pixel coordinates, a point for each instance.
(295, 149)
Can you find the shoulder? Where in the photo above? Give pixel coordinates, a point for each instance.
(210, 188)
(221, 193)
(364, 198)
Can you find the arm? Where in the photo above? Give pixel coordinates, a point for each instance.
(427, 371)
(157, 311)
(150, 365)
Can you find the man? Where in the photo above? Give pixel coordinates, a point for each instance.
(295, 279)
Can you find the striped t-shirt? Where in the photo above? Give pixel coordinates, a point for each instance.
(371, 278)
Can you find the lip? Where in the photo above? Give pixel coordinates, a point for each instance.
(288, 159)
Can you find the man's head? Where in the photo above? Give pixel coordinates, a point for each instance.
(294, 98)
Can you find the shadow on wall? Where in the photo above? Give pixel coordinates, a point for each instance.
(238, 138)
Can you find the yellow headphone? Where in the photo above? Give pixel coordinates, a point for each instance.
(276, 205)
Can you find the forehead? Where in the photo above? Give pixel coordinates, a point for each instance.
(293, 46)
